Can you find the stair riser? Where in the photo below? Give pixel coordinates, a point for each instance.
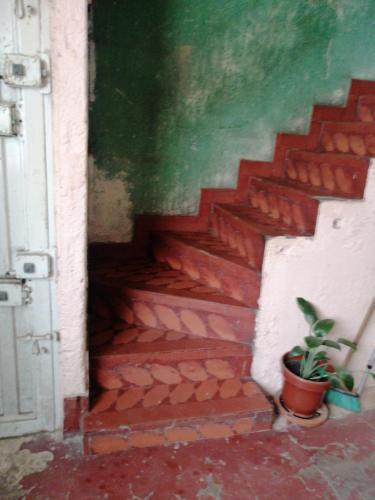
(235, 281)
(327, 174)
(203, 428)
(193, 317)
(234, 232)
(349, 138)
(366, 109)
(135, 396)
(290, 208)
(116, 372)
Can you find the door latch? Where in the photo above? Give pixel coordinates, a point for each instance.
(7, 119)
(32, 265)
(35, 339)
(14, 292)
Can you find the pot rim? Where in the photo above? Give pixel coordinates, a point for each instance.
(305, 381)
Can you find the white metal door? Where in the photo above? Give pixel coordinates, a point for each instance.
(27, 323)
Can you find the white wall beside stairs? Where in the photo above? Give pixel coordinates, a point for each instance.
(335, 270)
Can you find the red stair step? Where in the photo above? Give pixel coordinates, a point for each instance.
(148, 276)
(153, 295)
(361, 87)
(349, 138)
(235, 233)
(206, 259)
(141, 396)
(104, 334)
(358, 90)
(168, 424)
(366, 108)
(145, 360)
(258, 222)
(327, 174)
(283, 204)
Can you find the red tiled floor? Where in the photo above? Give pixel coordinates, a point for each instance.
(335, 461)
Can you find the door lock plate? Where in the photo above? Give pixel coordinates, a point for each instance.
(22, 71)
(32, 265)
(14, 292)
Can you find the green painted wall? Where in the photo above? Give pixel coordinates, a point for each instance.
(184, 88)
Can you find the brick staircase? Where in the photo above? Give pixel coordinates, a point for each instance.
(171, 330)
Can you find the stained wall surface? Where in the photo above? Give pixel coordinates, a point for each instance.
(183, 89)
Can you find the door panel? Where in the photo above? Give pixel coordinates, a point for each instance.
(28, 343)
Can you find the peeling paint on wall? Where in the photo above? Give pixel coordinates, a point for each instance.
(109, 207)
(185, 89)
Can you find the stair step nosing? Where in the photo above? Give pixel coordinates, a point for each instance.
(253, 225)
(201, 303)
(305, 198)
(240, 265)
(232, 350)
(344, 157)
(179, 356)
(166, 414)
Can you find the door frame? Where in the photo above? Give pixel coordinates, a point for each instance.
(69, 63)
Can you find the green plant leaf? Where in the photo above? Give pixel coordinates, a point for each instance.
(372, 375)
(334, 381)
(321, 355)
(322, 327)
(346, 342)
(331, 343)
(313, 342)
(321, 372)
(346, 378)
(296, 351)
(308, 310)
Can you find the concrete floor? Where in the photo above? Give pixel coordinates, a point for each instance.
(335, 461)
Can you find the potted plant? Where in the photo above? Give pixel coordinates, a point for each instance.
(308, 371)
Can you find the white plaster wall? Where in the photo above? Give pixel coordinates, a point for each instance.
(335, 270)
(69, 83)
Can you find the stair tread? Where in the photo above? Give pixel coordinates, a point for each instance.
(323, 155)
(211, 245)
(311, 190)
(315, 191)
(149, 276)
(351, 124)
(326, 174)
(132, 339)
(260, 222)
(251, 400)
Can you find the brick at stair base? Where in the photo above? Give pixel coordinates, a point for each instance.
(97, 443)
(74, 409)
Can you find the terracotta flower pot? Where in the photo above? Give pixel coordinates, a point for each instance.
(303, 397)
